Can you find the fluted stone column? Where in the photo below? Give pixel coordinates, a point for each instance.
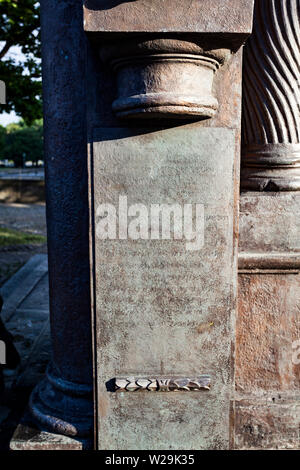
(166, 133)
(271, 99)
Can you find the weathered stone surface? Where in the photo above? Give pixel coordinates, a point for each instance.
(269, 222)
(267, 326)
(161, 309)
(26, 438)
(221, 16)
(267, 411)
(267, 404)
(268, 423)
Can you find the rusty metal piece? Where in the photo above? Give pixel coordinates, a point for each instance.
(163, 384)
(184, 384)
(269, 261)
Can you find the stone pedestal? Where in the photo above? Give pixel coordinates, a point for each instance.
(165, 144)
(142, 106)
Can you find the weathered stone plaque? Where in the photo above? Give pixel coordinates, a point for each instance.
(164, 279)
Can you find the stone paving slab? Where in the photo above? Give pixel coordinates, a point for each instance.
(26, 316)
(38, 298)
(16, 289)
(26, 438)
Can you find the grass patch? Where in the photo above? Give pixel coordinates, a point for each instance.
(10, 237)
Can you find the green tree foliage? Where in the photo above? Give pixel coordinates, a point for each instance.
(23, 143)
(20, 26)
(2, 137)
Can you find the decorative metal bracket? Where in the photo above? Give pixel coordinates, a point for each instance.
(163, 384)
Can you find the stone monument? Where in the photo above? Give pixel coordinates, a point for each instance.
(164, 179)
(142, 103)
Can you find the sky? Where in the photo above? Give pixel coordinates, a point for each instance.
(7, 118)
